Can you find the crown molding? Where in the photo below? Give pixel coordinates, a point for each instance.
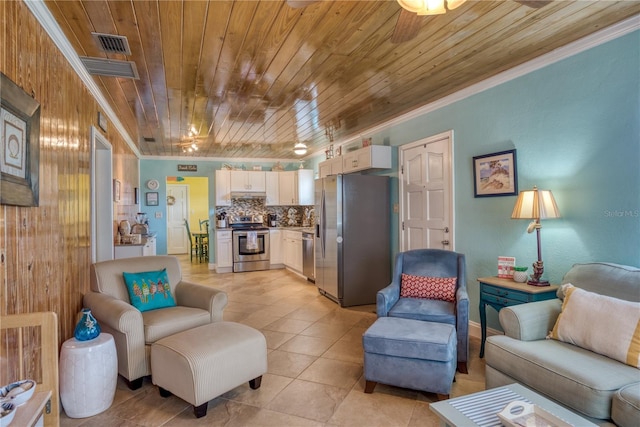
(600, 37)
(44, 17)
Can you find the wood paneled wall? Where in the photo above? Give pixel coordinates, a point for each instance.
(45, 251)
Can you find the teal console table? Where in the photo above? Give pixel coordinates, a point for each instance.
(498, 293)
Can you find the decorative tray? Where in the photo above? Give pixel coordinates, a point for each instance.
(17, 393)
(523, 414)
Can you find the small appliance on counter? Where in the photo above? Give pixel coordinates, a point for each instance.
(273, 220)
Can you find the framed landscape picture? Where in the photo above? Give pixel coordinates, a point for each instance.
(495, 174)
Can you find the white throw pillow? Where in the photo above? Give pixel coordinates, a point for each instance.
(602, 324)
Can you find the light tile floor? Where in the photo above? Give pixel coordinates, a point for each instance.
(314, 374)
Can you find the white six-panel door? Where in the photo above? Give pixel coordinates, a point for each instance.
(426, 193)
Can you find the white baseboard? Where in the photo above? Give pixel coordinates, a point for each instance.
(476, 332)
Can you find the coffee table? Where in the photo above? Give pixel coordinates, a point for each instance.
(480, 409)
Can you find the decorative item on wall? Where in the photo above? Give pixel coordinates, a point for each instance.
(153, 184)
(495, 174)
(329, 152)
(116, 190)
(171, 200)
(87, 328)
(366, 142)
(151, 198)
(20, 145)
(102, 121)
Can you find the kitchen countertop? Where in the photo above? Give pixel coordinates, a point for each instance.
(143, 240)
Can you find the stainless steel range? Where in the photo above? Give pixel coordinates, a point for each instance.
(250, 243)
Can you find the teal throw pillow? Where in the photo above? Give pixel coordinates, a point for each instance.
(149, 290)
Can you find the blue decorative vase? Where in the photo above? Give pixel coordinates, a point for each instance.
(87, 328)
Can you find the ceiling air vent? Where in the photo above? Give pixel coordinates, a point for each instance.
(110, 67)
(112, 44)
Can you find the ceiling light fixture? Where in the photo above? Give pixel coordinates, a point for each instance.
(300, 148)
(429, 7)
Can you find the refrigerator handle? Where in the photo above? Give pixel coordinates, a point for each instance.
(323, 215)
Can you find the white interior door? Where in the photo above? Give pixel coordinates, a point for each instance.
(177, 238)
(101, 198)
(427, 193)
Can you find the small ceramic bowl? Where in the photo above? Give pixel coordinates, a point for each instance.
(7, 416)
(18, 392)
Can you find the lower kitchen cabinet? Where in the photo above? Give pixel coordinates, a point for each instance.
(292, 249)
(134, 250)
(224, 251)
(276, 258)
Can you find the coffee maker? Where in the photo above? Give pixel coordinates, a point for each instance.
(273, 220)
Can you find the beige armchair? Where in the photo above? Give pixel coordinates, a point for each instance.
(135, 331)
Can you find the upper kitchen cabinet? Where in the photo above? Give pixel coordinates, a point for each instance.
(272, 180)
(223, 188)
(330, 167)
(296, 187)
(252, 181)
(371, 157)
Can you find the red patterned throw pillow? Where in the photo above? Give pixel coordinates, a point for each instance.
(440, 288)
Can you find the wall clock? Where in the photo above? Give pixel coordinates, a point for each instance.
(153, 184)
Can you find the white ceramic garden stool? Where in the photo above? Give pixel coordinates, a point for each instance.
(88, 375)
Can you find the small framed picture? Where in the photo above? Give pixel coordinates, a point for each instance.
(116, 190)
(495, 174)
(151, 198)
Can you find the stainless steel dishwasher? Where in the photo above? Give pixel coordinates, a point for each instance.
(308, 257)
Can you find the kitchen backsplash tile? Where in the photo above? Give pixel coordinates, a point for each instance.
(288, 216)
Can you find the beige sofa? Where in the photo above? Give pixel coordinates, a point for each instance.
(135, 331)
(595, 386)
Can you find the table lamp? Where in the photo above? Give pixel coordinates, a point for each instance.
(536, 204)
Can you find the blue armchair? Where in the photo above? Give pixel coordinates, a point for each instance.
(433, 263)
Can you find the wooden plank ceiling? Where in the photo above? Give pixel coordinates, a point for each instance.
(251, 78)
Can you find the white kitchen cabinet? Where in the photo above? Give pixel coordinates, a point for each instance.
(330, 167)
(292, 249)
(252, 181)
(296, 187)
(371, 157)
(223, 188)
(149, 248)
(224, 251)
(305, 186)
(276, 258)
(272, 185)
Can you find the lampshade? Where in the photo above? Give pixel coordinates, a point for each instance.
(300, 149)
(429, 7)
(535, 204)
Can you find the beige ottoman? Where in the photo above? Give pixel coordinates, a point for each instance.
(202, 363)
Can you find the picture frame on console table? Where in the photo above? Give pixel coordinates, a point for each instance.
(495, 174)
(19, 146)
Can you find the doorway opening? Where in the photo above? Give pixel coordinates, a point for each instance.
(187, 199)
(101, 198)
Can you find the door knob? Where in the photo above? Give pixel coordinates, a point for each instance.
(445, 242)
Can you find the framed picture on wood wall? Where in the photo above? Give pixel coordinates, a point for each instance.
(116, 190)
(495, 174)
(19, 145)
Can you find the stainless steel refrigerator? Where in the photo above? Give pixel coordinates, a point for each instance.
(353, 253)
